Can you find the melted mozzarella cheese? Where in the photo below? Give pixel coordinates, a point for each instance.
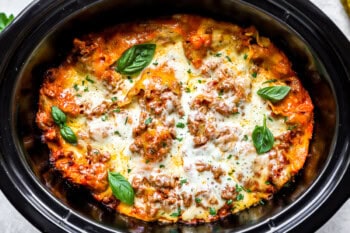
(113, 132)
(207, 166)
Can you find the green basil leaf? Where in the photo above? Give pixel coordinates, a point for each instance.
(5, 20)
(135, 59)
(262, 138)
(68, 134)
(274, 93)
(121, 188)
(58, 116)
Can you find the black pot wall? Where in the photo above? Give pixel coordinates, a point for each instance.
(41, 37)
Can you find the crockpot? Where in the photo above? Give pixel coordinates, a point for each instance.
(41, 36)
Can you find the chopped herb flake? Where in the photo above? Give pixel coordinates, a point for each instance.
(179, 139)
(76, 87)
(187, 90)
(117, 110)
(176, 214)
(183, 181)
(129, 170)
(199, 81)
(180, 125)
(212, 211)
(270, 81)
(161, 166)
(130, 79)
(229, 156)
(197, 200)
(126, 120)
(86, 89)
(291, 127)
(155, 63)
(245, 138)
(270, 119)
(240, 197)
(228, 59)
(148, 121)
(189, 71)
(104, 117)
(229, 202)
(238, 188)
(245, 56)
(114, 99)
(254, 75)
(89, 79)
(217, 55)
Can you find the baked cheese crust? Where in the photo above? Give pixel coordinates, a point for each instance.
(181, 130)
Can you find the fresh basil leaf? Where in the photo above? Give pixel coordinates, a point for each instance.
(262, 138)
(135, 59)
(121, 188)
(274, 93)
(5, 20)
(58, 116)
(68, 134)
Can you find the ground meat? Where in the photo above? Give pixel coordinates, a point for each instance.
(201, 167)
(202, 103)
(187, 199)
(84, 48)
(152, 140)
(277, 163)
(225, 138)
(202, 130)
(217, 172)
(156, 197)
(229, 193)
(153, 143)
(163, 181)
(159, 97)
(94, 155)
(140, 185)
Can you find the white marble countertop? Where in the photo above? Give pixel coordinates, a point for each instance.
(11, 221)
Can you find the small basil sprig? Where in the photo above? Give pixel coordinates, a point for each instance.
(58, 116)
(68, 134)
(274, 93)
(60, 119)
(5, 20)
(135, 59)
(121, 188)
(262, 138)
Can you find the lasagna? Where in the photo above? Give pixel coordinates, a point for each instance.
(180, 118)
